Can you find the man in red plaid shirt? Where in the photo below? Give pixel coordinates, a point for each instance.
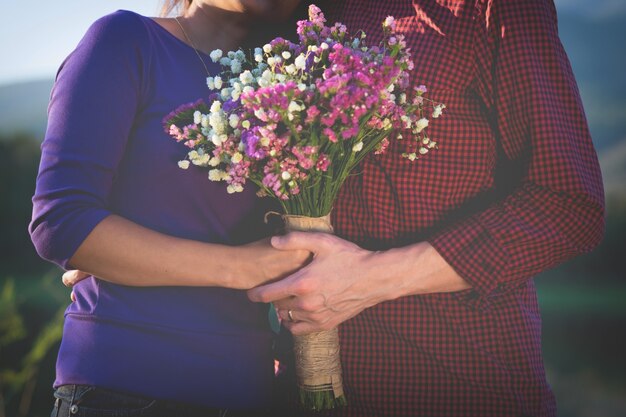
(435, 300)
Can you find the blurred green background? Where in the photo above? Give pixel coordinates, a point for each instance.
(583, 301)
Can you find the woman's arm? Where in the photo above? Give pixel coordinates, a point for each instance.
(120, 251)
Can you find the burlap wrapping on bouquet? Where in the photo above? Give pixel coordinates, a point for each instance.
(318, 365)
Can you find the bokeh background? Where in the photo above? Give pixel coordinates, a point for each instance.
(583, 301)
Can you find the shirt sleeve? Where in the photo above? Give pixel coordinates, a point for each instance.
(90, 115)
(552, 202)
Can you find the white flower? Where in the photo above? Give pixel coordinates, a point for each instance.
(245, 124)
(285, 176)
(240, 55)
(390, 23)
(300, 62)
(215, 161)
(423, 151)
(406, 120)
(216, 55)
(204, 121)
(248, 89)
(216, 139)
(237, 157)
(302, 86)
(246, 77)
(233, 120)
(324, 46)
(234, 188)
(260, 114)
(216, 106)
(215, 175)
(217, 82)
(210, 83)
(286, 54)
(236, 92)
(412, 156)
(219, 139)
(235, 66)
(198, 158)
(258, 57)
(420, 125)
(293, 107)
(197, 117)
(267, 48)
(438, 110)
(271, 61)
(225, 93)
(358, 146)
(225, 62)
(291, 69)
(183, 164)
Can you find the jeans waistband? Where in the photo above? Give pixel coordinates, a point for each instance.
(72, 396)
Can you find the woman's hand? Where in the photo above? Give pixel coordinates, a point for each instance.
(343, 279)
(261, 263)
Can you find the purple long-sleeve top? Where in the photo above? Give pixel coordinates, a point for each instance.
(105, 151)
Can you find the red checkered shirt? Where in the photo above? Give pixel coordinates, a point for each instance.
(514, 188)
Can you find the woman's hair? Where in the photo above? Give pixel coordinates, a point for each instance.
(176, 6)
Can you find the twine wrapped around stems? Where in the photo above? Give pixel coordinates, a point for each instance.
(318, 366)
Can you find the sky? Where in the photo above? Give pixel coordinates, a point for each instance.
(36, 36)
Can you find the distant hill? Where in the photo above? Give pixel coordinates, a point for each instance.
(23, 107)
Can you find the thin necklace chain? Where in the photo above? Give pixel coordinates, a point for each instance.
(193, 46)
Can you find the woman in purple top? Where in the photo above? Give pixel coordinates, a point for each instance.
(169, 332)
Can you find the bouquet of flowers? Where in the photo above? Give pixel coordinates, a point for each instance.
(295, 119)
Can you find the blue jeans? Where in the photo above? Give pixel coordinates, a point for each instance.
(88, 401)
